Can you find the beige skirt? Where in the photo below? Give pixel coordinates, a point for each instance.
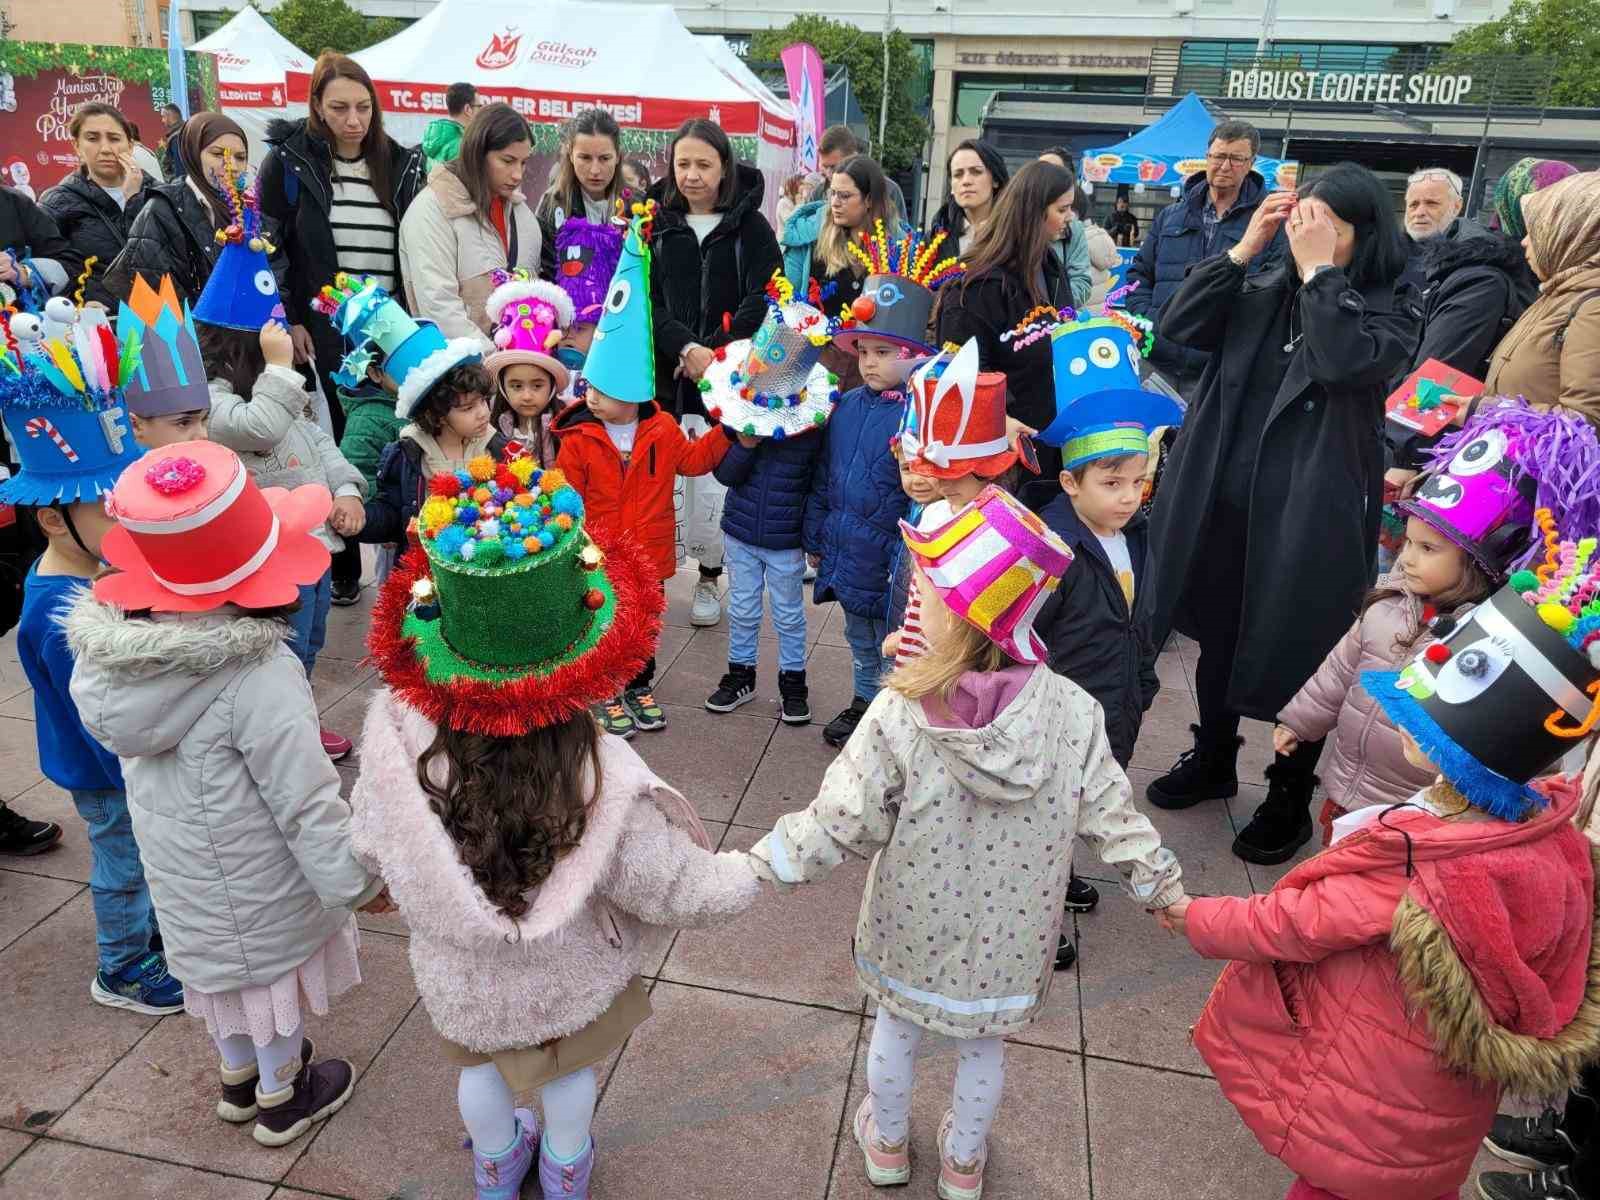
(529, 1067)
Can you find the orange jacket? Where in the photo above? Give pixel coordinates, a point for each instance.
(636, 498)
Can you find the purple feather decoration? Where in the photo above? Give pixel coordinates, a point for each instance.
(599, 250)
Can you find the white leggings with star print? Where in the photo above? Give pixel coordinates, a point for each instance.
(891, 1068)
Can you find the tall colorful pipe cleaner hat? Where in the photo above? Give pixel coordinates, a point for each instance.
(1486, 480)
(622, 357)
(507, 538)
(1513, 686)
(896, 301)
(960, 418)
(194, 532)
(530, 315)
(586, 258)
(414, 353)
(61, 400)
(162, 370)
(995, 564)
(774, 385)
(241, 292)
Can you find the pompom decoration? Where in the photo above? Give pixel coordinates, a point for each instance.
(483, 526)
(1438, 653)
(174, 476)
(481, 468)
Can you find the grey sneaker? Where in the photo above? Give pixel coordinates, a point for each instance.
(707, 607)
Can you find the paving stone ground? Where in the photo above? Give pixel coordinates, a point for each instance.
(743, 1082)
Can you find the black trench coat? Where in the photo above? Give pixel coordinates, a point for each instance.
(1317, 488)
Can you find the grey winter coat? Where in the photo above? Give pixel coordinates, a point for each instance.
(236, 808)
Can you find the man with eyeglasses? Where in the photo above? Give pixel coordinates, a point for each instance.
(1208, 219)
(1433, 200)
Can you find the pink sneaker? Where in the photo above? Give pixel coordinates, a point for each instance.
(336, 744)
(958, 1181)
(886, 1167)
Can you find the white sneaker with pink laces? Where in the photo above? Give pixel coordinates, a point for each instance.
(887, 1166)
(958, 1181)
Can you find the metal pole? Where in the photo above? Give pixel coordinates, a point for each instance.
(883, 105)
(1269, 18)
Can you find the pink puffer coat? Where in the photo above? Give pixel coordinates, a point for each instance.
(1385, 991)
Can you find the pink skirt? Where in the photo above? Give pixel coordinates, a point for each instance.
(267, 1011)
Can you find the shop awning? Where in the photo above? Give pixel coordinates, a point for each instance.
(1166, 152)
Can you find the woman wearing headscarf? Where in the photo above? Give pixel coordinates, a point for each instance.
(1551, 356)
(1524, 177)
(174, 233)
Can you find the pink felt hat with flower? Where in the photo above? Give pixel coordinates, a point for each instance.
(194, 532)
(530, 315)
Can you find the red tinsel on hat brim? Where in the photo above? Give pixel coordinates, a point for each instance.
(513, 708)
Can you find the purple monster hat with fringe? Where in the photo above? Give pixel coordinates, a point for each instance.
(1486, 480)
(586, 258)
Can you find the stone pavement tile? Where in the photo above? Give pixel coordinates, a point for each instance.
(336, 678)
(1154, 1133)
(12, 680)
(56, 1169)
(1142, 988)
(117, 1112)
(790, 947)
(1201, 837)
(830, 632)
(699, 666)
(790, 772)
(1165, 732)
(19, 758)
(27, 898)
(1036, 1145)
(349, 716)
(829, 677)
(707, 757)
(70, 859)
(1257, 753)
(11, 1145)
(347, 631)
(19, 706)
(1060, 1024)
(1171, 671)
(714, 1084)
(71, 1040)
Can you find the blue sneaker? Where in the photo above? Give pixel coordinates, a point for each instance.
(145, 987)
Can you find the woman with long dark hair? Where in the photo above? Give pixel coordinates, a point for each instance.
(586, 181)
(1072, 247)
(714, 253)
(95, 205)
(977, 175)
(470, 222)
(1010, 272)
(1267, 517)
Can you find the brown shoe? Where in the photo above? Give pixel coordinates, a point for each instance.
(238, 1102)
(319, 1090)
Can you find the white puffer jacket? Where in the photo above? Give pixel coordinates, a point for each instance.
(236, 808)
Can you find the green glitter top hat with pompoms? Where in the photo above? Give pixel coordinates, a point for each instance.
(509, 614)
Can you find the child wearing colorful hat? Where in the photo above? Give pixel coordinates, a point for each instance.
(540, 864)
(587, 254)
(1022, 755)
(622, 453)
(62, 403)
(1385, 992)
(183, 670)
(531, 317)
(166, 393)
(1467, 523)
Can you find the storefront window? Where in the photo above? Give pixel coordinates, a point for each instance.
(207, 23)
(972, 92)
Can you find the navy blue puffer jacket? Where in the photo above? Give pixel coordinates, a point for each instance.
(853, 516)
(767, 490)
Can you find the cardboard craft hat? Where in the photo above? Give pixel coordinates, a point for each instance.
(62, 403)
(960, 419)
(194, 532)
(774, 385)
(995, 564)
(166, 374)
(508, 613)
(586, 258)
(1100, 409)
(1486, 481)
(1513, 686)
(622, 357)
(530, 315)
(415, 354)
(896, 300)
(241, 292)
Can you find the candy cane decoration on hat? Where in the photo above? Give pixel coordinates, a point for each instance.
(38, 425)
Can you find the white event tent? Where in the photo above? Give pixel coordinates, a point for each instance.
(253, 61)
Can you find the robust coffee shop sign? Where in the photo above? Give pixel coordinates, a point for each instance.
(1348, 87)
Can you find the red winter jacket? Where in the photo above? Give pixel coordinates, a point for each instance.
(636, 498)
(1385, 991)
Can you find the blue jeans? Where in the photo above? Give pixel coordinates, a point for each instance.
(781, 573)
(308, 628)
(869, 666)
(123, 917)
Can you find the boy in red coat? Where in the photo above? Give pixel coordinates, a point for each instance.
(621, 452)
(1385, 992)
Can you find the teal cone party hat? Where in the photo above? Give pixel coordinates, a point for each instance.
(241, 291)
(622, 358)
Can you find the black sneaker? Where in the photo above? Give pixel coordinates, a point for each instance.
(738, 687)
(345, 592)
(1532, 1143)
(1209, 771)
(1282, 824)
(1082, 896)
(796, 697)
(1066, 953)
(837, 731)
(1545, 1185)
(19, 835)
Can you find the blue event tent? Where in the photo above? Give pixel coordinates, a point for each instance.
(1166, 152)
